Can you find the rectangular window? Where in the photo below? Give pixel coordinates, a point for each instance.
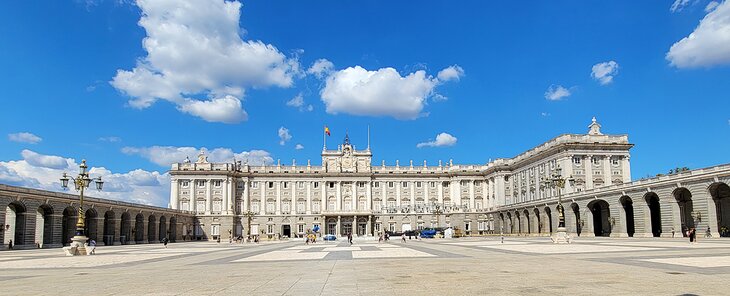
(300, 185)
(300, 207)
(270, 207)
(418, 184)
(316, 184)
(446, 184)
(477, 183)
(217, 183)
(332, 184)
(331, 205)
(595, 160)
(361, 184)
(391, 185)
(576, 159)
(614, 161)
(255, 207)
(315, 207)
(301, 228)
(391, 227)
(376, 184)
(185, 184)
(285, 207)
(200, 206)
(215, 229)
(271, 184)
(239, 185)
(269, 229)
(432, 184)
(254, 184)
(216, 206)
(377, 227)
(201, 183)
(286, 185)
(405, 184)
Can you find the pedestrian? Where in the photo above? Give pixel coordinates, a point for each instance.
(708, 233)
(218, 240)
(10, 245)
(691, 234)
(92, 244)
(164, 242)
(349, 238)
(672, 232)
(403, 237)
(380, 238)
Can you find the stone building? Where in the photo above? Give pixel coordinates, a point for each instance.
(347, 193)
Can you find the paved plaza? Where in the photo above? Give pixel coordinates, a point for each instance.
(466, 266)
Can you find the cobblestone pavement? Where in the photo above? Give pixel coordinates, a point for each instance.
(465, 266)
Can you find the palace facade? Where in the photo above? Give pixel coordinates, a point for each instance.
(347, 193)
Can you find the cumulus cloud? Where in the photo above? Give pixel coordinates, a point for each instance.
(167, 155)
(24, 138)
(45, 161)
(711, 6)
(678, 5)
(708, 45)
(383, 92)
(556, 93)
(442, 139)
(321, 68)
(44, 171)
(299, 147)
(451, 73)
(604, 72)
(195, 49)
(298, 102)
(284, 135)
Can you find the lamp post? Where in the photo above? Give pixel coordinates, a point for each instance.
(81, 182)
(556, 181)
(248, 214)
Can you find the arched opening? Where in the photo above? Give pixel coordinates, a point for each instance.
(109, 228)
(91, 228)
(501, 223)
(601, 217)
(44, 226)
(151, 228)
(162, 229)
(527, 229)
(578, 221)
(173, 229)
(139, 228)
(68, 228)
(628, 206)
(125, 230)
(684, 201)
(15, 224)
(538, 220)
(510, 224)
(549, 215)
(655, 216)
(720, 193)
(518, 223)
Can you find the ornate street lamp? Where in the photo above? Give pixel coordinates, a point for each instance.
(81, 182)
(556, 181)
(248, 214)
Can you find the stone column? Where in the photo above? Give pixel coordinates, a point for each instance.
(208, 197)
(626, 169)
(100, 230)
(369, 196)
(397, 193)
(338, 196)
(471, 195)
(294, 200)
(337, 228)
(145, 229)
(174, 204)
(440, 193)
(368, 230)
(117, 225)
(589, 172)
(224, 199)
(245, 198)
(308, 206)
(193, 196)
(263, 200)
(413, 197)
(278, 197)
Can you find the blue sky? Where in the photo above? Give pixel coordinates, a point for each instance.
(473, 81)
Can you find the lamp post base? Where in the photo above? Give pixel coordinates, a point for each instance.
(561, 236)
(77, 247)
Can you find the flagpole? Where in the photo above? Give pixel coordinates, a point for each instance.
(324, 136)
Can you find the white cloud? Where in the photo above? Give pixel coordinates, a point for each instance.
(678, 5)
(226, 109)
(299, 147)
(45, 161)
(711, 6)
(167, 155)
(604, 72)
(44, 171)
(110, 139)
(284, 135)
(384, 92)
(545, 114)
(195, 49)
(451, 73)
(298, 102)
(321, 68)
(442, 139)
(24, 138)
(556, 92)
(708, 45)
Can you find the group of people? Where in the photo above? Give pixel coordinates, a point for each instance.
(310, 238)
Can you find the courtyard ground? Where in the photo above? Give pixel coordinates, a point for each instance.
(464, 266)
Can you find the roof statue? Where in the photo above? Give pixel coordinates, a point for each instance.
(594, 128)
(201, 157)
(347, 140)
(187, 160)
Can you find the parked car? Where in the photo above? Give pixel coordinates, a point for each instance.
(329, 237)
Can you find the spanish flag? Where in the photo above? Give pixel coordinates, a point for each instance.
(326, 130)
